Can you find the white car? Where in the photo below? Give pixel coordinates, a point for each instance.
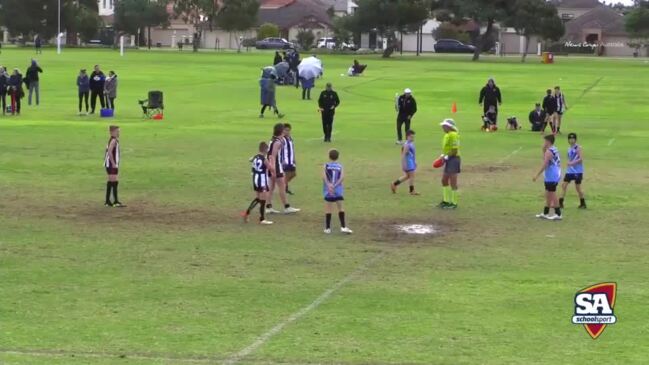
(327, 42)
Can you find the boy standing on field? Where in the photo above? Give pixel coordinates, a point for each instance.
(276, 171)
(574, 172)
(111, 163)
(332, 187)
(408, 163)
(551, 168)
(259, 184)
(289, 157)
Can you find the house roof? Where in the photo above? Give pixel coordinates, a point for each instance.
(604, 18)
(290, 13)
(578, 4)
(339, 5)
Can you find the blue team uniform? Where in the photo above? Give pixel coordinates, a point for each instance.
(333, 171)
(411, 164)
(553, 170)
(575, 172)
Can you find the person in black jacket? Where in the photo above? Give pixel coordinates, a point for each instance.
(4, 84)
(406, 109)
(328, 102)
(537, 119)
(550, 109)
(32, 80)
(97, 80)
(16, 91)
(490, 96)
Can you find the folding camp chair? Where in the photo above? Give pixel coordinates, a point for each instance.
(152, 106)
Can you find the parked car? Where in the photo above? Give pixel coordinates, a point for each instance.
(453, 46)
(326, 42)
(274, 43)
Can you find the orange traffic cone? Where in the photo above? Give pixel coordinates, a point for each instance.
(454, 108)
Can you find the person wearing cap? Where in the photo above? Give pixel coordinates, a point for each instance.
(537, 118)
(451, 156)
(574, 171)
(83, 86)
(406, 108)
(327, 103)
(490, 96)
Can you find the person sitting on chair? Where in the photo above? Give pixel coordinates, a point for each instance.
(538, 118)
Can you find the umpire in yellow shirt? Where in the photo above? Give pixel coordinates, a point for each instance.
(451, 155)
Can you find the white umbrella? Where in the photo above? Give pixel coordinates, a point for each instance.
(310, 68)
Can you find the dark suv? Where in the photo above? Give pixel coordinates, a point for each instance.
(273, 43)
(453, 46)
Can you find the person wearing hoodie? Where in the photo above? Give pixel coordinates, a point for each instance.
(490, 96)
(4, 84)
(83, 86)
(16, 91)
(32, 79)
(110, 90)
(97, 80)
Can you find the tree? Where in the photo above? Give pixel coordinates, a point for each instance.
(535, 18)
(305, 39)
(267, 30)
(636, 23)
(197, 11)
(387, 17)
(134, 15)
(27, 17)
(237, 16)
(82, 17)
(484, 13)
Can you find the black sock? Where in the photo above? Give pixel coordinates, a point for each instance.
(109, 186)
(582, 201)
(397, 182)
(328, 220)
(412, 188)
(269, 206)
(341, 215)
(262, 210)
(546, 210)
(286, 206)
(557, 211)
(252, 205)
(115, 190)
(560, 201)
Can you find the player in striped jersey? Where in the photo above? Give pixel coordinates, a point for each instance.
(408, 163)
(111, 163)
(574, 171)
(259, 184)
(562, 107)
(332, 189)
(551, 168)
(288, 154)
(276, 171)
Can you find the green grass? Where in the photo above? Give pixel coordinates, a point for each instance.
(176, 278)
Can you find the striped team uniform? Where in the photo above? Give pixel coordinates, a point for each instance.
(112, 169)
(279, 161)
(553, 170)
(561, 103)
(333, 171)
(259, 174)
(575, 172)
(288, 154)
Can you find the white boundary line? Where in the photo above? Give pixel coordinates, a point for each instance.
(512, 154)
(263, 338)
(610, 141)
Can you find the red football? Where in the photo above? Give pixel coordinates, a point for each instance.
(439, 163)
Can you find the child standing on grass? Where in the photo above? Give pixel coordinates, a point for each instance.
(289, 157)
(408, 163)
(333, 177)
(575, 171)
(259, 184)
(551, 168)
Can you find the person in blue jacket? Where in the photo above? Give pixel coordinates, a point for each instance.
(83, 85)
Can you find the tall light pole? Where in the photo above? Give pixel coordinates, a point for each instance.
(58, 33)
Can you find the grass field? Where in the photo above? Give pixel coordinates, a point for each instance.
(176, 278)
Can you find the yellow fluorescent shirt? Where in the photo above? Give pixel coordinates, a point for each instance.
(451, 141)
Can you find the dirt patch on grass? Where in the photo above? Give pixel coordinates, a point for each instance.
(413, 231)
(472, 169)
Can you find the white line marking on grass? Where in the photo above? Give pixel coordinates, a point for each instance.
(610, 141)
(512, 154)
(263, 338)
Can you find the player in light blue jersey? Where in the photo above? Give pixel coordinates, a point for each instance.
(551, 169)
(408, 163)
(333, 191)
(574, 171)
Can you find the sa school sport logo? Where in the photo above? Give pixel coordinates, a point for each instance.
(594, 308)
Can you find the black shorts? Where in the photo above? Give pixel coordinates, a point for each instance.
(560, 113)
(574, 177)
(551, 186)
(333, 199)
(289, 168)
(452, 165)
(112, 170)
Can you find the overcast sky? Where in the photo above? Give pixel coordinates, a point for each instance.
(625, 2)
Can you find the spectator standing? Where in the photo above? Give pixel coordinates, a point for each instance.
(110, 90)
(83, 86)
(4, 85)
(490, 96)
(550, 109)
(38, 44)
(293, 61)
(16, 91)
(97, 80)
(267, 96)
(406, 109)
(537, 118)
(307, 85)
(32, 79)
(328, 102)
